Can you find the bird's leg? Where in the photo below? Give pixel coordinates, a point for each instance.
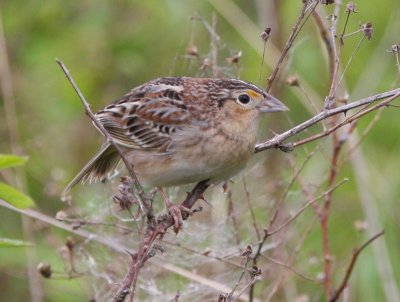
(175, 211)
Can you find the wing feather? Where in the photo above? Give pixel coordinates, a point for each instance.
(146, 119)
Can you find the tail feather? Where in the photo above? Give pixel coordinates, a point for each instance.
(97, 169)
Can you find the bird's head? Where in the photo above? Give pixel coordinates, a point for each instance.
(240, 97)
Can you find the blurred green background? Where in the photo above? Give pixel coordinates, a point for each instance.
(113, 46)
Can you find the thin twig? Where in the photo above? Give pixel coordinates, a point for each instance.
(109, 138)
(12, 123)
(365, 132)
(320, 22)
(289, 186)
(305, 206)
(232, 215)
(293, 35)
(280, 277)
(398, 62)
(277, 141)
(280, 263)
(244, 269)
(356, 253)
(336, 56)
(349, 61)
(214, 47)
(349, 120)
(155, 228)
(250, 204)
(250, 285)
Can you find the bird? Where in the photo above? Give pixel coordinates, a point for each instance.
(181, 130)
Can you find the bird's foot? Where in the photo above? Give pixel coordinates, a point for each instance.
(177, 213)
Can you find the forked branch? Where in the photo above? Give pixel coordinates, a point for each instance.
(156, 228)
(277, 141)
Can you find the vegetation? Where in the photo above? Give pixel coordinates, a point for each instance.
(303, 223)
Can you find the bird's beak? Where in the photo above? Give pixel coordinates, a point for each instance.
(271, 104)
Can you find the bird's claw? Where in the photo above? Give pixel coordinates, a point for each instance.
(178, 213)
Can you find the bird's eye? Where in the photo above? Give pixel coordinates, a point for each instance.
(244, 99)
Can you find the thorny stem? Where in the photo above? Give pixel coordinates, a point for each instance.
(164, 223)
(155, 228)
(153, 231)
(349, 120)
(276, 142)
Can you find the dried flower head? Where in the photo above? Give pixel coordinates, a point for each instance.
(331, 17)
(44, 269)
(255, 271)
(361, 225)
(70, 243)
(235, 58)
(327, 2)
(125, 197)
(344, 99)
(395, 48)
(206, 64)
(292, 81)
(266, 34)
(61, 215)
(192, 51)
(367, 29)
(247, 252)
(351, 7)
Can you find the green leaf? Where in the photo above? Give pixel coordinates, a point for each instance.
(5, 242)
(15, 197)
(9, 160)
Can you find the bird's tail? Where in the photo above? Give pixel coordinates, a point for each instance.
(97, 169)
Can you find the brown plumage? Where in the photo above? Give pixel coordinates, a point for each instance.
(181, 130)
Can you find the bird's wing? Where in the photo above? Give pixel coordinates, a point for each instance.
(146, 117)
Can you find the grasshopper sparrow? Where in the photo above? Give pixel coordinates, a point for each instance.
(182, 130)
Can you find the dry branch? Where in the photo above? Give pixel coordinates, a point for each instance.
(156, 228)
(109, 138)
(356, 253)
(277, 141)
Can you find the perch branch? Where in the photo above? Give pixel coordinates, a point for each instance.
(155, 228)
(277, 141)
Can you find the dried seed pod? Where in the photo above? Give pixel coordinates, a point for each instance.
(44, 269)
